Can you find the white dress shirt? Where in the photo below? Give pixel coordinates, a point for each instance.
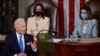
(18, 38)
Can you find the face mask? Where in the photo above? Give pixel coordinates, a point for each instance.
(84, 16)
(38, 13)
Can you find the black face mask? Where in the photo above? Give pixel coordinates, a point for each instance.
(38, 13)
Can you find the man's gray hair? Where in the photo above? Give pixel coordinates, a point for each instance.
(18, 20)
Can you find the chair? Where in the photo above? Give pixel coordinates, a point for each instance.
(95, 7)
(50, 10)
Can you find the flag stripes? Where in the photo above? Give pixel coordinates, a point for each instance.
(68, 15)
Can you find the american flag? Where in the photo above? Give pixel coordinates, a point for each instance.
(68, 15)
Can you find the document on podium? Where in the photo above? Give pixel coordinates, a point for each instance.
(55, 40)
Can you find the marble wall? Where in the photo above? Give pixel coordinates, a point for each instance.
(23, 5)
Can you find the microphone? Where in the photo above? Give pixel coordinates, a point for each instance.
(53, 31)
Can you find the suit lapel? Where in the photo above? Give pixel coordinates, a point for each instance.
(25, 38)
(34, 22)
(88, 27)
(81, 28)
(42, 23)
(17, 44)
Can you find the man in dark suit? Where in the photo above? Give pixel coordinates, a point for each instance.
(19, 43)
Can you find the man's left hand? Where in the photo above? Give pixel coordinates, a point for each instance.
(33, 45)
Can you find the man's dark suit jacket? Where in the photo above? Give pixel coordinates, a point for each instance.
(11, 45)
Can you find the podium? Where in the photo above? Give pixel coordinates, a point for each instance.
(85, 47)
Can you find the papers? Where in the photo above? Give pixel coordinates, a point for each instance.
(55, 40)
(72, 39)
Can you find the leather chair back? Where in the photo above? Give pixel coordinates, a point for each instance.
(50, 10)
(95, 7)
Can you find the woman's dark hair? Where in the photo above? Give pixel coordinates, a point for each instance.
(39, 4)
(88, 10)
